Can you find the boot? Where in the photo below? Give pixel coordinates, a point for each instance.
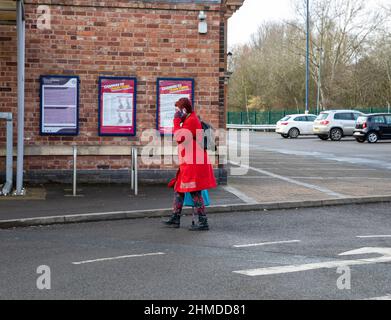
(202, 224)
(174, 221)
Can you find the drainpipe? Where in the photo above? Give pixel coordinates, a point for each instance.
(21, 74)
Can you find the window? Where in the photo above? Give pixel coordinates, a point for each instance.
(301, 119)
(356, 115)
(285, 119)
(388, 119)
(311, 118)
(323, 116)
(378, 120)
(343, 116)
(361, 120)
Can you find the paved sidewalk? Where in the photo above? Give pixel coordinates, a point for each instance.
(56, 200)
(114, 202)
(282, 175)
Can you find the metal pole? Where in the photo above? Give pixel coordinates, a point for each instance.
(9, 156)
(9, 161)
(319, 80)
(307, 75)
(21, 75)
(74, 170)
(132, 169)
(135, 173)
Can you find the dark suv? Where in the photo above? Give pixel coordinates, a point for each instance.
(373, 127)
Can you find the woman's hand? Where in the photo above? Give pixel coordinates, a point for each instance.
(178, 114)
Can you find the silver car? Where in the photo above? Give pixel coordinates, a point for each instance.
(336, 124)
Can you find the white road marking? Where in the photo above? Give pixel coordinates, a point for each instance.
(385, 252)
(242, 196)
(310, 169)
(264, 244)
(120, 257)
(387, 297)
(313, 178)
(368, 237)
(289, 180)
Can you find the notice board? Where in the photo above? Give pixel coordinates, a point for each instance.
(117, 106)
(169, 91)
(59, 97)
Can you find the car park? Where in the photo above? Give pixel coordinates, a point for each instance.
(373, 127)
(336, 124)
(292, 126)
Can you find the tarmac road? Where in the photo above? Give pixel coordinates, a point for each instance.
(148, 261)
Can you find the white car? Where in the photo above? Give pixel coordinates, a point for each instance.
(295, 125)
(336, 124)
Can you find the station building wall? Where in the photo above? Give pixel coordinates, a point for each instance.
(142, 39)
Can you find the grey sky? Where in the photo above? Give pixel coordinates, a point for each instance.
(254, 12)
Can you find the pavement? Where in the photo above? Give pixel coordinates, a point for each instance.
(141, 259)
(98, 199)
(280, 173)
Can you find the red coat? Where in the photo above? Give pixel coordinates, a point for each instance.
(195, 170)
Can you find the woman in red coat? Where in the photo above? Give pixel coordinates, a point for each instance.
(195, 170)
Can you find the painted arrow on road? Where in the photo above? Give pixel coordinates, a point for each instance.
(384, 252)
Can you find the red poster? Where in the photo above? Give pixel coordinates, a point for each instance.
(169, 92)
(117, 106)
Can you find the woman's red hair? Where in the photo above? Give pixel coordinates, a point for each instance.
(184, 103)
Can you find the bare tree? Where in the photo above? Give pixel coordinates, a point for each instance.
(269, 72)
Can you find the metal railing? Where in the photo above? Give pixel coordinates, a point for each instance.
(259, 127)
(134, 170)
(7, 188)
(74, 193)
(271, 117)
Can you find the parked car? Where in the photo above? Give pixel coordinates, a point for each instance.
(295, 125)
(336, 124)
(373, 127)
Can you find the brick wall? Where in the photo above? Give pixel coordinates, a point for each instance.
(145, 39)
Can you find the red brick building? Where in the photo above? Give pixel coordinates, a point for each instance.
(88, 38)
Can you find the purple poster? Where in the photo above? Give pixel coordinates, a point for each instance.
(59, 105)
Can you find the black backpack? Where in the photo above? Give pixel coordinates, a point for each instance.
(209, 136)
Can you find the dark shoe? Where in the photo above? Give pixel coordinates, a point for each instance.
(202, 225)
(174, 221)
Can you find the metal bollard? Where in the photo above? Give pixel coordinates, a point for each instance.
(74, 170)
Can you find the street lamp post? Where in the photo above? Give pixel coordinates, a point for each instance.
(319, 79)
(307, 75)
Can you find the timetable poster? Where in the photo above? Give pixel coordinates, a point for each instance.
(59, 105)
(117, 106)
(169, 92)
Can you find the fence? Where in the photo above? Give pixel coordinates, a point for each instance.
(271, 117)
